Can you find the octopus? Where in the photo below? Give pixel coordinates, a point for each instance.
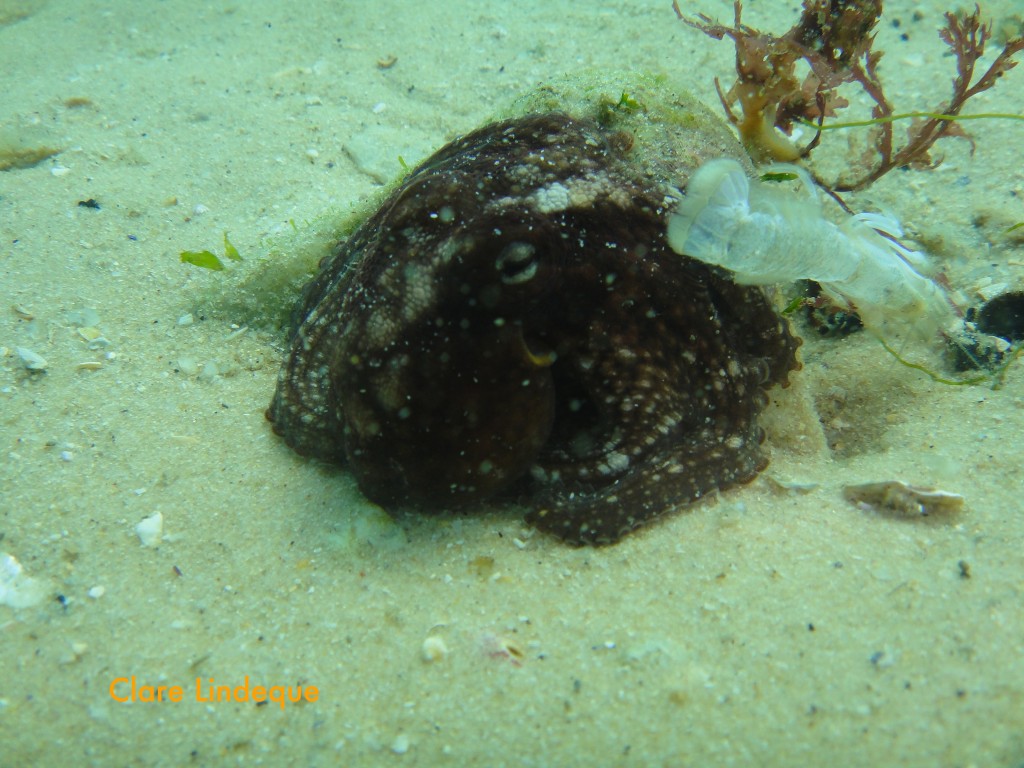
(511, 324)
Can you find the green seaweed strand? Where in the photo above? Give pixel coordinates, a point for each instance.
(910, 115)
(997, 378)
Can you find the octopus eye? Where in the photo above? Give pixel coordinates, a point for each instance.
(516, 263)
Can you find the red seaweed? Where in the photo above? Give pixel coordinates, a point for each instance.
(834, 39)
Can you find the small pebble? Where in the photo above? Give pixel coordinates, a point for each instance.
(200, 209)
(209, 372)
(66, 456)
(400, 745)
(434, 649)
(186, 319)
(17, 589)
(188, 366)
(379, 107)
(31, 360)
(97, 592)
(75, 653)
(151, 530)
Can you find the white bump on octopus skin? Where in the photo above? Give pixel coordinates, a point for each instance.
(618, 462)
(418, 291)
(379, 327)
(551, 199)
(388, 388)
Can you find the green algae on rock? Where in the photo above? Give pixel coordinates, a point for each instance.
(510, 322)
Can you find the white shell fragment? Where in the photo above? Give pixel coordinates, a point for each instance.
(17, 589)
(188, 366)
(786, 485)
(151, 530)
(31, 360)
(434, 649)
(904, 500)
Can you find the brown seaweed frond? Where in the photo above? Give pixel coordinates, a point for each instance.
(834, 39)
(966, 37)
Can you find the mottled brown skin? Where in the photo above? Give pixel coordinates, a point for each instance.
(512, 321)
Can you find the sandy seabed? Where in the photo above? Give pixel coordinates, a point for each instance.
(775, 625)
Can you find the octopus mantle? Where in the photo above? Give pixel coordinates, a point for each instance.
(511, 322)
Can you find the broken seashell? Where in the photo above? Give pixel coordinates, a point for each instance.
(31, 360)
(903, 499)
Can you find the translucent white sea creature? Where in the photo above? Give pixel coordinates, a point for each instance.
(767, 234)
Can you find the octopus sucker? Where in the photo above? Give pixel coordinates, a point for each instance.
(562, 355)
